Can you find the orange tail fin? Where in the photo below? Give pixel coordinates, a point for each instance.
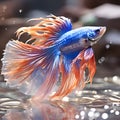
(30, 67)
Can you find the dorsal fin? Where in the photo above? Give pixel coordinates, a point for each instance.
(47, 31)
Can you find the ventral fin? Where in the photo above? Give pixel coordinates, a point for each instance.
(75, 78)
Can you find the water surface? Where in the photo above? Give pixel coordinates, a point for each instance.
(99, 101)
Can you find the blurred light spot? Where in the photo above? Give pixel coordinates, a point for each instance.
(110, 42)
(105, 90)
(104, 116)
(10, 103)
(85, 108)
(78, 93)
(91, 114)
(93, 109)
(106, 78)
(114, 99)
(6, 28)
(97, 96)
(112, 111)
(14, 21)
(117, 112)
(82, 113)
(113, 37)
(77, 116)
(106, 107)
(20, 11)
(53, 93)
(107, 46)
(2, 18)
(109, 90)
(101, 60)
(115, 78)
(97, 114)
(66, 99)
(82, 117)
(4, 8)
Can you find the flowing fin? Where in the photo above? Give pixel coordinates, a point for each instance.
(27, 64)
(91, 63)
(51, 77)
(75, 77)
(47, 31)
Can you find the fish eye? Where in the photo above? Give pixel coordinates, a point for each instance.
(91, 36)
(97, 31)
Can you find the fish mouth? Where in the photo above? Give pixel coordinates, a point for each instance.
(101, 33)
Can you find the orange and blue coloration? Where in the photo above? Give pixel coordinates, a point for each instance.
(53, 50)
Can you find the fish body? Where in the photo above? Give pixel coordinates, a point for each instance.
(71, 40)
(55, 50)
(76, 39)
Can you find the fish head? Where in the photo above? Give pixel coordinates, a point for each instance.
(94, 34)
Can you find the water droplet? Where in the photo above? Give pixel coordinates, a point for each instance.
(101, 60)
(111, 42)
(104, 116)
(20, 11)
(107, 46)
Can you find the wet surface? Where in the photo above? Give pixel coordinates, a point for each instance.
(99, 101)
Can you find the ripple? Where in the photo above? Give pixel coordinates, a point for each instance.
(101, 100)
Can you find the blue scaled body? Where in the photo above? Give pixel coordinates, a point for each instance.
(74, 41)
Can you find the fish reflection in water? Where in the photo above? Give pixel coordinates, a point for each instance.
(101, 101)
(44, 111)
(63, 111)
(99, 107)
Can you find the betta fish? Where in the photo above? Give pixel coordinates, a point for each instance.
(53, 52)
